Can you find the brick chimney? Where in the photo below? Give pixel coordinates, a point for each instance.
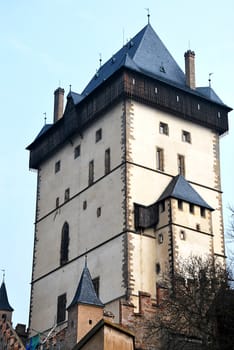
(58, 104)
(190, 69)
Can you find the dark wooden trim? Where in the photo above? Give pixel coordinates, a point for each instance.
(115, 89)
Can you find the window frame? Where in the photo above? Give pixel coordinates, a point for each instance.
(163, 128)
(107, 161)
(91, 172)
(98, 135)
(57, 166)
(159, 159)
(181, 164)
(186, 136)
(64, 245)
(77, 151)
(61, 308)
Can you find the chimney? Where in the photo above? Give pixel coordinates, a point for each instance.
(190, 69)
(58, 104)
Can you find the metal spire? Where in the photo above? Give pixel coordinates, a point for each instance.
(148, 14)
(86, 257)
(100, 59)
(45, 118)
(210, 79)
(3, 275)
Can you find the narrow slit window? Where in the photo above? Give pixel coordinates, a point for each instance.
(180, 204)
(107, 161)
(67, 195)
(159, 159)
(57, 166)
(77, 151)
(96, 285)
(61, 308)
(98, 135)
(181, 164)
(191, 208)
(203, 212)
(64, 248)
(91, 172)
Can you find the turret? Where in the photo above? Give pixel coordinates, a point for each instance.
(85, 310)
(5, 308)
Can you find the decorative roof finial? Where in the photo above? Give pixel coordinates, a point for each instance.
(3, 275)
(148, 14)
(86, 257)
(45, 118)
(100, 59)
(70, 87)
(210, 79)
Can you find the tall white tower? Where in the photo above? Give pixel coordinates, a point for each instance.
(129, 175)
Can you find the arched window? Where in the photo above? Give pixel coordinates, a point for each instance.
(64, 244)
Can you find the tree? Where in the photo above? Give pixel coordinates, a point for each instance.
(196, 308)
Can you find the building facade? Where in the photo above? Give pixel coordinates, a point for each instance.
(129, 175)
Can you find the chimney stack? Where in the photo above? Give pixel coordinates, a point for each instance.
(58, 104)
(190, 69)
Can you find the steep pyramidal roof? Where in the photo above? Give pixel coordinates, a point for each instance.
(85, 293)
(179, 188)
(4, 303)
(144, 53)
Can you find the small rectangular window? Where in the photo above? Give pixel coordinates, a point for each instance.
(191, 208)
(61, 308)
(67, 195)
(77, 151)
(182, 235)
(98, 135)
(159, 159)
(181, 164)
(99, 211)
(91, 172)
(160, 238)
(162, 207)
(84, 205)
(163, 128)
(203, 212)
(107, 161)
(186, 136)
(96, 284)
(180, 204)
(57, 166)
(57, 202)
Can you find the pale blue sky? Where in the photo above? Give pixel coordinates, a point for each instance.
(50, 42)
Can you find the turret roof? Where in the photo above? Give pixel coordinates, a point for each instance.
(179, 188)
(4, 303)
(85, 293)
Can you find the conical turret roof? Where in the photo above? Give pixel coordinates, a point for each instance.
(85, 293)
(4, 303)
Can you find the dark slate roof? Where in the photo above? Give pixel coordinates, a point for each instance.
(75, 97)
(209, 93)
(179, 188)
(144, 53)
(85, 293)
(4, 303)
(43, 130)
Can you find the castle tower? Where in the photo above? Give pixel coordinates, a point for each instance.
(85, 310)
(5, 308)
(108, 183)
